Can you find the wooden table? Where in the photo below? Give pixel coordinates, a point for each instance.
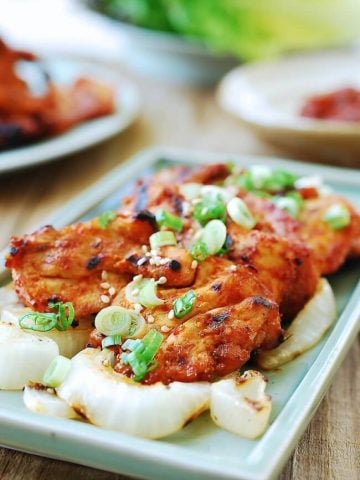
(187, 117)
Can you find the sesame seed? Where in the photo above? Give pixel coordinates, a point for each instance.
(104, 275)
(150, 319)
(137, 278)
(171, 315)
(141, 261)
(50, 390)
(105, 285)
(165, 329)
(144, 248)
(137, 307)
(194, 201)
(157, 258)
(135, 292)
(162, 280)
(154, 252)
(148, 254)
(104, 299)
(112, 291)
(152, 261)
(232, 268)
(194, 264)
(204, 211)
(163, 261)
(197, 235)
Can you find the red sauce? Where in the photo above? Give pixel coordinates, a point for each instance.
(343, 104)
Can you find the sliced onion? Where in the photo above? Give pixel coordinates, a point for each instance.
(113, 401)
(306, 330)
(240, 405)
(23, 357)
(70, 341)
(45, 401)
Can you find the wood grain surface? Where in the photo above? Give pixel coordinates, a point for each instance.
(188, 117)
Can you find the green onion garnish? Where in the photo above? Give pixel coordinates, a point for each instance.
(56, 372)
(199, 251)
(65, 314)
(144, 292)
(115, 320)
(289, 204)
(142, 353)
(168, 220)
(337, 216)
(106, 218)
(208, 208)
(183, 305)
(214, 236)
(44, 322)
(147, 293)
(240, 214)
(261, 177)
(161, 239)
(111, 341)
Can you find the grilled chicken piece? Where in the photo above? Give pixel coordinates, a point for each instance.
(217, 284)
(25, 117)
(161, 189)
(174, 263)
(216, 343)
(331, 247)
(286, 267)
(50, 263)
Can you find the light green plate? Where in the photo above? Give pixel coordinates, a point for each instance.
(201, 450)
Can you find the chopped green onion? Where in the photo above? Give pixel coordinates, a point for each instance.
(44, 322)
(161, 239)
(110, 341)
(39, 322)
(199, 251)
(190, 190)
(208, 208)
(166, 219)
(65, 314)
(56, 372)
(183, 305)
(260, 177)
(141, 356)
(240, 214)
(288, 204)
(147, 293)
(115, 320)
(106, 218)
(337, 216)
(214, 236)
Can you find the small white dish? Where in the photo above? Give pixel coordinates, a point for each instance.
(86, 134)
(268, 97)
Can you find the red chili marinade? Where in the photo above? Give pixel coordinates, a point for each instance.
(342, 104)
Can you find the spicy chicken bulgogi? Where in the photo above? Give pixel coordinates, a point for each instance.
(213, 259)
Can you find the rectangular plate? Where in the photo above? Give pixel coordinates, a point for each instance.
(201, 450)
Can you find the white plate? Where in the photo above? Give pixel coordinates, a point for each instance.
(201, 451)
(85, 134)
(268, 97)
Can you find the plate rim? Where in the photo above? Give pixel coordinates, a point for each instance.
(340, 337)
(293, 124)
(127, 102)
